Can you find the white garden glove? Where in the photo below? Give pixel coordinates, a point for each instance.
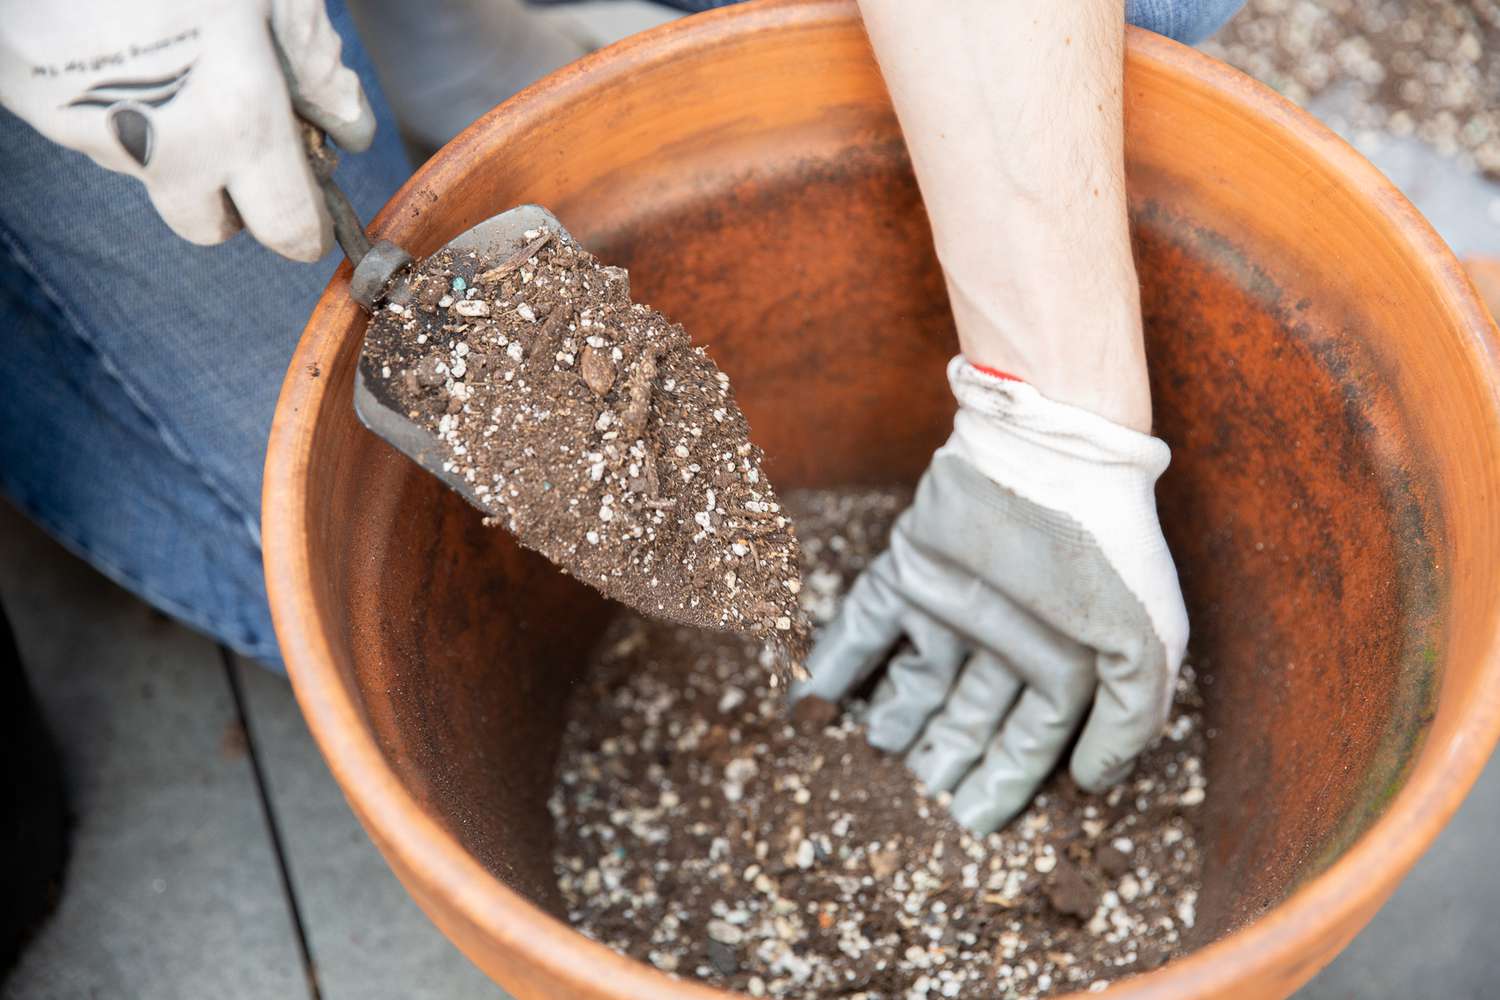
(1030, 581)
(189, 96)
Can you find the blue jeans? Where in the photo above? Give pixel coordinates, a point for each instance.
(139, 372)
(1189, 21)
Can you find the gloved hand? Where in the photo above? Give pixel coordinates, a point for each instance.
(190, 97)
(1030, 581)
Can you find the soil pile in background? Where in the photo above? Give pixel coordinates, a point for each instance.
(1429, 68)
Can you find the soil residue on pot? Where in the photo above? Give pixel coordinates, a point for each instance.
(593, 429)
(706, 829)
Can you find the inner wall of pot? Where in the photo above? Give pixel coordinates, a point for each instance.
(1290, 507)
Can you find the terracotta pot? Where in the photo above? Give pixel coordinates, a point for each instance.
(1485, 273)
(1323, 371)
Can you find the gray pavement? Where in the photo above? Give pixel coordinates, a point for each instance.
(172, 888)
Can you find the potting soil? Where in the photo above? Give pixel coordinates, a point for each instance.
(597, 433)
(706, 829)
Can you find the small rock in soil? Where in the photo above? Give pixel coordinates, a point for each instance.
(813, 713)
(1113, 862)
(592, 428)
(697, 823)
(723, 958)
(1069, 892)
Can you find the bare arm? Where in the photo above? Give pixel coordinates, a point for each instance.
(1012, 111)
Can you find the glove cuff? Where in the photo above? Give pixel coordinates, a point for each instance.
(1067, 430)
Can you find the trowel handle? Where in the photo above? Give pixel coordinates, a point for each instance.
(347, 228)
(377, 264)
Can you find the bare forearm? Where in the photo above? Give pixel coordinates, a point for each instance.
(1012, 111)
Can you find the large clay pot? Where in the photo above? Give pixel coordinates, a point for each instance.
(1322, 369)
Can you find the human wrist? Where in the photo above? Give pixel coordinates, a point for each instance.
(1102, 374)
(1053, 297)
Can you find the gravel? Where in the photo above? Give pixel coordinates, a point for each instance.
(1428, 68)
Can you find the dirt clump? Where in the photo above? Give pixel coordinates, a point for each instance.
(592, 428)
(705, 828)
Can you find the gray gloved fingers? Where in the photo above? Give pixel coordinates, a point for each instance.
(958, 735)
(850, 647)
(324, 90)
(1028, 746)
(915, 683)
(1129, 711)
(281, 204)
(198, 215)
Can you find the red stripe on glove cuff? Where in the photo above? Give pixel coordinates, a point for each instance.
(996, 373)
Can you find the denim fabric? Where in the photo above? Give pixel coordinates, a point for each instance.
(1188, 21)
(139, 372)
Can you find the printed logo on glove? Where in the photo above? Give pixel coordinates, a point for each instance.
(126, 103)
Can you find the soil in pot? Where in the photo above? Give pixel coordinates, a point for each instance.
(705, 828)
(595, 431)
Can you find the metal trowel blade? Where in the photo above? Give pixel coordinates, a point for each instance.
(378, 409)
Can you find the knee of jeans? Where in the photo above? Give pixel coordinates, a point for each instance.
(1187, 21)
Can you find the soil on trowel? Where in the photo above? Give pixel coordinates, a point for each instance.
(707, 829)
(593, 429)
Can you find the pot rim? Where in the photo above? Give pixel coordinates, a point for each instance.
(435, 866)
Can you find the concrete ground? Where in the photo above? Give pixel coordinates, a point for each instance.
(215, 857)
